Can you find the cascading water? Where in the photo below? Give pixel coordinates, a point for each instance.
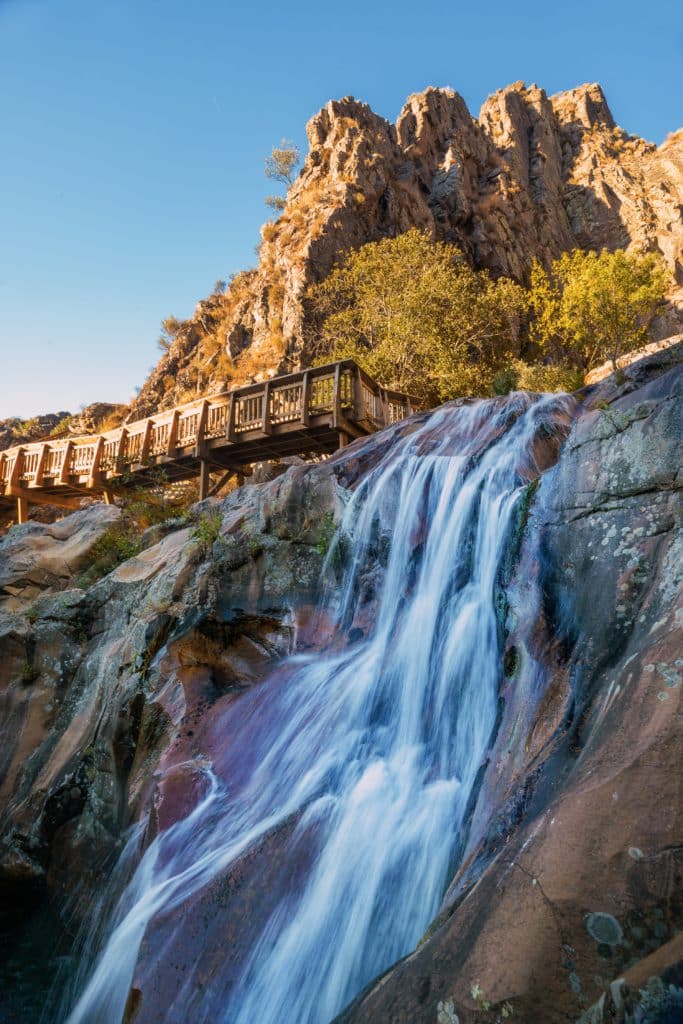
(369, 751)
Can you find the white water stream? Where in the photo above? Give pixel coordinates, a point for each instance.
(372, 747)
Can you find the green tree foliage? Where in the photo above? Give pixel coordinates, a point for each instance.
(281, 166)
(590, 307)
(417, 317)
(520, 375)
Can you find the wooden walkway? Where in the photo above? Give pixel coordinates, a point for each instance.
(313, 412)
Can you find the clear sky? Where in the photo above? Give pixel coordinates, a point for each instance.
(134, 134)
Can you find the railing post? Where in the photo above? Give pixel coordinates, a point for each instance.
(120, 451)
(40, 469)
(173, 433)
(306, 399)
(232, 412)
(146, 440)
(357, 395)
(94, 475)
(201, 429)
(265, 411)
(66, 459)
(385, 407)
(336, 397)
(15, 475)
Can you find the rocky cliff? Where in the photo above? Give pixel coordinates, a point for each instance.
(114, 699)
(532, 176)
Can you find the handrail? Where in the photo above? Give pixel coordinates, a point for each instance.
(341, 390)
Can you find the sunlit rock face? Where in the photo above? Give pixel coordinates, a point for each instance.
(556, 869)
(531, 177)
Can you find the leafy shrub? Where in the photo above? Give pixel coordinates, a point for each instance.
(206, 531)
(417, 317)
(117, 544)
(589, 306)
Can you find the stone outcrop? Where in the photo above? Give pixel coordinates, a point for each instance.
(112, 696)
(531, 177)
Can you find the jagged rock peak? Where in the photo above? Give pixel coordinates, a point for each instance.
(429, 120)
(533, 176)
(586, 105)
(342, 134)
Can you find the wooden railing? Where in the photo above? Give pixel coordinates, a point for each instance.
(339, 394)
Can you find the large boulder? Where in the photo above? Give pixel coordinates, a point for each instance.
(35, 557)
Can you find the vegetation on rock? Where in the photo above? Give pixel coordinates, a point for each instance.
(281, 166)
(590, 307)
(417, 317)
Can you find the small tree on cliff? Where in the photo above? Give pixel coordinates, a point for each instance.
(281, 166)
(417, 317)
(590, 307)
(169, 331)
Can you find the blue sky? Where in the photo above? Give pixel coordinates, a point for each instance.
(134, 134)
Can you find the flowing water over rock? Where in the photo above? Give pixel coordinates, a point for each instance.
(361, 760)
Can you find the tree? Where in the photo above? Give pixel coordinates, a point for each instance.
(590, 307)
(169, 330)
(417, 317)
(281, 166)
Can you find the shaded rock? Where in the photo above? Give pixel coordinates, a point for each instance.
(35, 557)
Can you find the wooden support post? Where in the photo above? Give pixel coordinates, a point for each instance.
(240, 479)
(221, 482)
(22, 510)
(306, 399)
(204, 479)
(343, 439)
(108, 496)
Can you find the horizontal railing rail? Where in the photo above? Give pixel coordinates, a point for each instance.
(340, 391)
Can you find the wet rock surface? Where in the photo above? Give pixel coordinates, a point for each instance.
(572, 869)
(569, 875)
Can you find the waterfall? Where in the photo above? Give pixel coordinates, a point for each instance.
(370, 749)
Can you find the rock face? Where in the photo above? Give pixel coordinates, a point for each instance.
(572, 869)
(531, 177)
(569, 874)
